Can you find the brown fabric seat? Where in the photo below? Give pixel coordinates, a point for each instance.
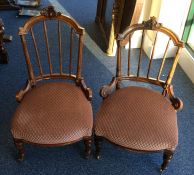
(50, 113)
(138, 118)
(53, 113)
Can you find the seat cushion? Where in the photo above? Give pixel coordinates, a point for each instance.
(53, 113)
(138, 118)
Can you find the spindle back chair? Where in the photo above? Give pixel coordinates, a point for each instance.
(140, 118)
(126, 38)
(75, 29)
(56, 112)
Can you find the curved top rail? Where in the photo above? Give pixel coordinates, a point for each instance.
(151, 24)
(49, 13)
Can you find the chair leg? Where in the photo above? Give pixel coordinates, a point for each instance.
(167, 156)
(88, 147)
(98, 142)
(118, 85)
(20, 147)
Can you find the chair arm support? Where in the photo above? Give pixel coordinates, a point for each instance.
(176, 102)
(87, 91)
(20, 94)
(106, 90)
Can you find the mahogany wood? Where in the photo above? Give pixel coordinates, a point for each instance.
(98, 141)
(46, 14)
(88, 147)
(20, 147)
(165, 84)
(168, 154)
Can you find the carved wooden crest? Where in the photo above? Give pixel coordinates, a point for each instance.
(152, 23)
(50, 12)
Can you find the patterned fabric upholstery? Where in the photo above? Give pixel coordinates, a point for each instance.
(53, 113)
(138, 118)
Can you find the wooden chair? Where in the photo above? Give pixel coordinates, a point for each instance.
(55, 108)
(139, 118)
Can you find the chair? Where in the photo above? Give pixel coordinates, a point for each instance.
(55, 108)
(137, 116)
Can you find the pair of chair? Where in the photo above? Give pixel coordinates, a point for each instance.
(56, 113)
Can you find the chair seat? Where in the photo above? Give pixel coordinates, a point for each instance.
(53, 113)
(138, 118)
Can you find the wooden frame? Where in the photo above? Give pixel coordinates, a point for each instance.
(122, 40)
(49, 13)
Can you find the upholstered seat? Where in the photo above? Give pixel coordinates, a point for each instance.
(36, 119)
(52, 112)
(146, 126)
(140, 118)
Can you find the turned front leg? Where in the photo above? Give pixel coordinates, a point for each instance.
(88, 147)
(98, 142)
(20, 147)
(167, 156)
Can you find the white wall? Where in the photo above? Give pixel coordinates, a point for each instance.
(173, 14)
(174, 18)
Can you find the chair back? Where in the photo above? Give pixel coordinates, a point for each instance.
(52, 44)
(164, 43)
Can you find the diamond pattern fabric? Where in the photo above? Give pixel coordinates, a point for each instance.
(138, 118)
(53, 113)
